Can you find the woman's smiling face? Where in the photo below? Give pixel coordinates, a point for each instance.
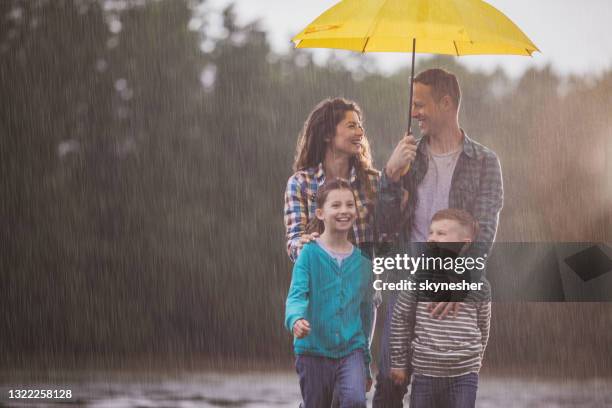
(349, 135)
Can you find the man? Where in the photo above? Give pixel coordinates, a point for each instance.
(446, 169)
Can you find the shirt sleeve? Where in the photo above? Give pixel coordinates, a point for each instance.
(297, 299)
(402, 329)
(388, 205)
(487, 206)
(295, 214)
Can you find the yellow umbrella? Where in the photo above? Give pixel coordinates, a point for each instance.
(452, 27)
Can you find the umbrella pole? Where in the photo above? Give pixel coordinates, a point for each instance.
(411, 86)
(411, 90)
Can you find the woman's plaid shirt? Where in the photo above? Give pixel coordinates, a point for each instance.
(300, 205)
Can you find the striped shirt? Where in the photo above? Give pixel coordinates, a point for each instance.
(300, 205)
(446, 347)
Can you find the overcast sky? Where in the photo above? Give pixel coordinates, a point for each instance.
(574, 36)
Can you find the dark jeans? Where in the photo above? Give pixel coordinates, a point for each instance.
(387, 394)
(444, 392)
(319, 376)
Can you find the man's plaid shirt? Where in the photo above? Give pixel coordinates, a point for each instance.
(300, 205)
(476, 187)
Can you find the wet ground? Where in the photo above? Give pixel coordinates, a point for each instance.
(279, 389)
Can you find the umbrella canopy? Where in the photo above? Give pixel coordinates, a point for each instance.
(453, 27)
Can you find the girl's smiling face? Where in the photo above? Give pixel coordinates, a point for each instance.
(339, 211)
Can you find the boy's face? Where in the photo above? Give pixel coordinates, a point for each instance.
(447, 231)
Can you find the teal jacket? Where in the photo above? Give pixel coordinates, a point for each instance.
(335, 300)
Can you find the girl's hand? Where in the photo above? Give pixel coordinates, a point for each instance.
(301, 328)
(398, 376)
(368, 384)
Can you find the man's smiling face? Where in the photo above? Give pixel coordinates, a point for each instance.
(426, 110)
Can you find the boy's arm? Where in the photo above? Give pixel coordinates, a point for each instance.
(484, 316)
(297, 299)
(402, 329)
(366, 311)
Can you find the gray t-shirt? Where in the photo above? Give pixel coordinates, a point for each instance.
(433, 192)
(338, 256)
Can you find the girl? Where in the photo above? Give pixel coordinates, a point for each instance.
(329, 308)
(332, 144)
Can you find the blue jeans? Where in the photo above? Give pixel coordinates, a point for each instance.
(319, 376)
(444, 392)
(387, 394)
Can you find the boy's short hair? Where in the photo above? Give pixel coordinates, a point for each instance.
(462, 217)
(442, 83)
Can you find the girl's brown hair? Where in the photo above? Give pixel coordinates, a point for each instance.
(315, 224)
(320, 128)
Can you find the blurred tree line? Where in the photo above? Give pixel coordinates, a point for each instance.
(144, 162)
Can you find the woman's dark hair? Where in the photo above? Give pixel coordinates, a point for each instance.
(315, 224)
(320, 128)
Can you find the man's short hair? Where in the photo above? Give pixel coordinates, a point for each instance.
(442, 83)
(462, 217)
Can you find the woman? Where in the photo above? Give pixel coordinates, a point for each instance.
(332, 144)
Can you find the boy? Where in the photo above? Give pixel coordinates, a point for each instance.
(445, 355)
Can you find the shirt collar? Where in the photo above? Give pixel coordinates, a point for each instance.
(353, 175)
(470, 148)
(320, 174)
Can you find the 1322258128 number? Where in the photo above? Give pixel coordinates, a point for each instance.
(39, 394)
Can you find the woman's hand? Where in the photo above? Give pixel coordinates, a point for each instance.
(306, 238)
(442, 309)
(301, 328)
